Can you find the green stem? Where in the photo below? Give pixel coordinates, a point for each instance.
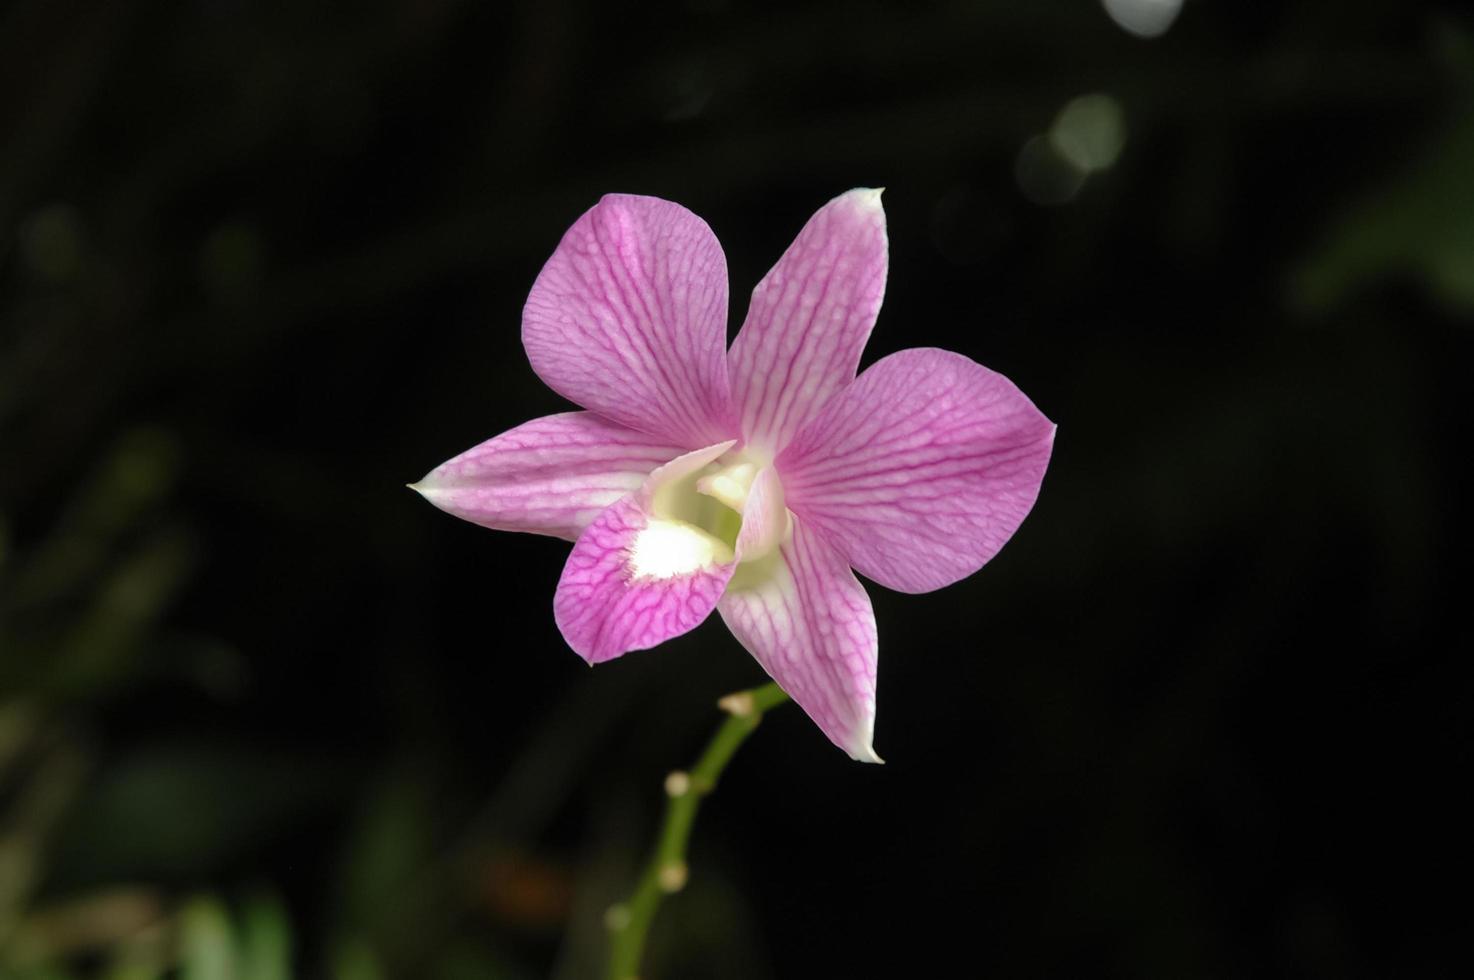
(665, 872)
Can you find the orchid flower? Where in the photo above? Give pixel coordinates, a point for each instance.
(756, 480)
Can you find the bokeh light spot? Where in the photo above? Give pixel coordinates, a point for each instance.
(1089, 132)
(1143, 18)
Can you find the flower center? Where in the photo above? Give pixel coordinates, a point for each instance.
(695, 521)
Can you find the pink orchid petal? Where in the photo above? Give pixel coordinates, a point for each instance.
(629, 319)
(552, 475)
(808, 622)
(809, 320)
(921, 470)
(635, 579)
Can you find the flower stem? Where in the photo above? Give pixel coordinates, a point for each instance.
(665, 872)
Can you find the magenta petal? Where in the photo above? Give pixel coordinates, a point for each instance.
(921, 470)
(636, 578)
(809, 320)
(552, 475)
(809, 623)
(629, 319)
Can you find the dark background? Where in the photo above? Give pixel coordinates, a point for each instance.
(261, 264)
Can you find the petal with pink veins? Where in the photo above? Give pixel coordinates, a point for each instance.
(807, 620)
(642, 573)
(552, 475)
(809, 319)
(921, 470)
(629, 319)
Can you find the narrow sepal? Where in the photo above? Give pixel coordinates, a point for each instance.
(807, 620)
(552, 475)
(809, 319)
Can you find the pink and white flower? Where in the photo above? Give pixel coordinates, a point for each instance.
(756, 480)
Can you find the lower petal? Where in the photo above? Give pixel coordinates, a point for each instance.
(807, 620)
(636, 578)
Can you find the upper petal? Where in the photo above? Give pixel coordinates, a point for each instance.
(808, 622)
(809, 320)
(637, 577)
(552, 475)
(629, 319)
(921, 470)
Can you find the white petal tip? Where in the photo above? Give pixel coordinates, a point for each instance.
(431, 492)
(866, 753)
(868, 196)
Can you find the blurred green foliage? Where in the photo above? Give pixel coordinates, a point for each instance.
(1418, 225)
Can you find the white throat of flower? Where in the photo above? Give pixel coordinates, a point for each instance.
(696, 520)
